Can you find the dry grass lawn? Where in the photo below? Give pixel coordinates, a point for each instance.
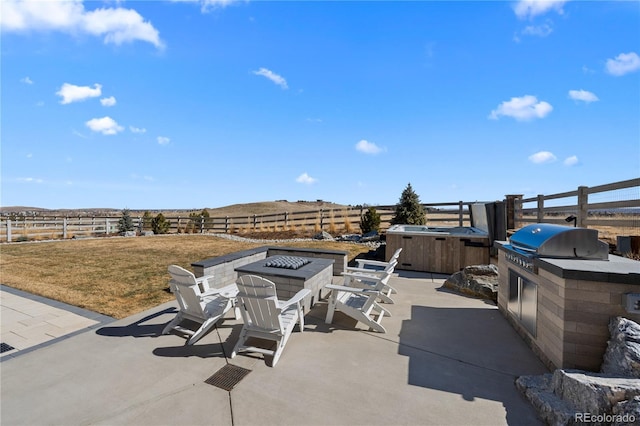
(118, 276)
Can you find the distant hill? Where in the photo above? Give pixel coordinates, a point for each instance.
(258, 208)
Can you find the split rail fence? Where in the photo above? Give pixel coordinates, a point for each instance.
(612, 208)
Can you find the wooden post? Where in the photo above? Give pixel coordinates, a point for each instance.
(583, 200)
(513, 208)
(286, 220)
(64, 228)
(226, 224)
(255, 221)
(540, 209)
(460, 213)
(201, 224)
(106, 226)
(8, 230)
(321, 219)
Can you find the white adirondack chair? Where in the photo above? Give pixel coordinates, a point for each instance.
(266, 317)
(197, 302)
(375, 264)
(359, 304)
(372, 279)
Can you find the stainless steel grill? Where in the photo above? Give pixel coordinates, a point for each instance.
(554, 241)
(557, 241)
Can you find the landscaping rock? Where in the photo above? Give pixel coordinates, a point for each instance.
(593, 392)
(130, 233)
(477, 281)
(370, 236)
(622, 357)
(147, 233)
(610, 397)
(627, 412)
(323, 236)
(550, 408)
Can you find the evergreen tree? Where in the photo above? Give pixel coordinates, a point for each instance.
(160, 225)
(409, 210)
(125, 223)
(198, 221)
(147, 220)
(370, 221)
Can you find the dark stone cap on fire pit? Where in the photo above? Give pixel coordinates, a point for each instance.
(287, 262)
(305, 272)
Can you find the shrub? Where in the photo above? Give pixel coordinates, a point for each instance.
(147, 221)
(198, 221)
(348, 228)
(409, 210)
(333, 230)
(125, 223)
(370, 221)
(160, 225)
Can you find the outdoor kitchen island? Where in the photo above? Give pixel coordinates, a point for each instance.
(291, 274)
(559, 288)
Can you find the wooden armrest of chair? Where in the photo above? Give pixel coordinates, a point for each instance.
(362, 277)
(297, 298)
(362, 262)
(350, 269)
(350, 289)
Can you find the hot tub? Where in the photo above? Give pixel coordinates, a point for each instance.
(440, 249)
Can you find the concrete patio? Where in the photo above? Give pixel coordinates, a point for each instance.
(445, 360)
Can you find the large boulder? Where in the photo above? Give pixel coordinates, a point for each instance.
(566, 397)
(324, 235)
(477, 281)
(627, 412)
(622, 357)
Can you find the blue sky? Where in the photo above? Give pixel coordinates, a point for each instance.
(192, 104)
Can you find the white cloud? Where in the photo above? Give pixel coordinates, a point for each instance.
(72, 93)
(163, 140)
(542, 157)
(117, 25)
(145, 177)
(522, 109)
(29, 180)
(207, 5)
(137, 130)
(26, 80)
(78, 134)
(571, 161)
(108, 102)
(583, 95)
(368, 147)
(532, 8)
(537, 30)
(104, 125)
(623, 64)
(277, 79)
(305, 178)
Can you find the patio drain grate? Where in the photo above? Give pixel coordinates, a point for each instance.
(5, 348)
(227, 377)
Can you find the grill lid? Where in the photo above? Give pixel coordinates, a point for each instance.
(559, 241)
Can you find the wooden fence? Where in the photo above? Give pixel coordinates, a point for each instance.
(336, 221)
(614, 209)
